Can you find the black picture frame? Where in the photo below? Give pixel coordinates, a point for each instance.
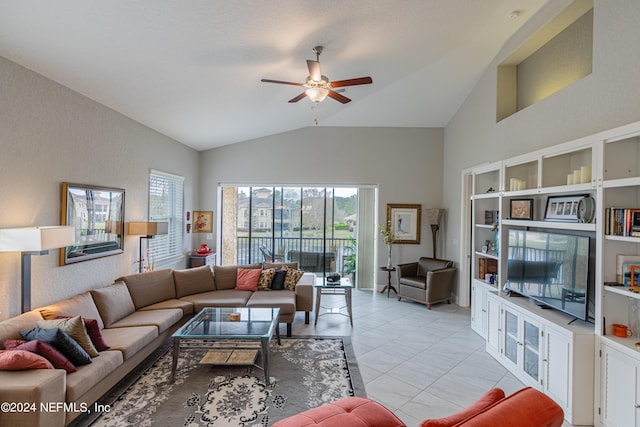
(521, 209)
(562, 208)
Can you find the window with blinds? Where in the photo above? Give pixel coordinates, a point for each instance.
(166, 204)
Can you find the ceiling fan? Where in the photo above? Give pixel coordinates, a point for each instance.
(319, 86)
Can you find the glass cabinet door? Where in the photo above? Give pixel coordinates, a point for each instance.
(531, 349)
(511, 336)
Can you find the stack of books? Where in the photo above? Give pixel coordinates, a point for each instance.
(622, 222)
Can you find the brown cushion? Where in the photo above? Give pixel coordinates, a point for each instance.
(280, 266)
(193, 281)
(74, 326)
(429, 264)
(10, 328)
(225, 276)
(78, 305)
(151, 287)
(113, 302)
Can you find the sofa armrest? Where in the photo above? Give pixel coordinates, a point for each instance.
(31, 388)
(304, 292)
(440, 284)
(407, 270)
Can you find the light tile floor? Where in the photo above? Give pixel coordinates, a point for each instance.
(419, 363)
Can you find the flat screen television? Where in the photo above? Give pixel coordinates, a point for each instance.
(553, 269)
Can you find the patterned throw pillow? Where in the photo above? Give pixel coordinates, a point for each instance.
(292, 278)
(266, 277)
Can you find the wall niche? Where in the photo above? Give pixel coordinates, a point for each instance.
(558, 55)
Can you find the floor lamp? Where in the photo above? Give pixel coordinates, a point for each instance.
(434, 216)
(146, 230)
(33, 241)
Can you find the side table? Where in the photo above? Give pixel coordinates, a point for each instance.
(195, 260)
(389, 287)
(343, 287)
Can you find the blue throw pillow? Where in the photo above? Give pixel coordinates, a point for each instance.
(61, 341)
(277, 284)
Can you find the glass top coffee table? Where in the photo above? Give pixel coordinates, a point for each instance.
(228, 328)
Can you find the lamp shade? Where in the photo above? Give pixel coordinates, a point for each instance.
(148, 228)
(33, 239)
(317, 94)
(434, 215)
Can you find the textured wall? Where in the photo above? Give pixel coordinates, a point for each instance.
(51, 134)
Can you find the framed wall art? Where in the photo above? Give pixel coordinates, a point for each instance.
(202, 222)
(97, 214)
(521, 209)
(405, 222)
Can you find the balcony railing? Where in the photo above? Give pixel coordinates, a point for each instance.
(312, 254)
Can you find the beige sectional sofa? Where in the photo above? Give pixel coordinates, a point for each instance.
(136, 315)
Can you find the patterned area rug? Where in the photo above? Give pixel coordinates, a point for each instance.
(304, 373)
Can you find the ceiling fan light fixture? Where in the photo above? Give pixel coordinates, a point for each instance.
(317, 94)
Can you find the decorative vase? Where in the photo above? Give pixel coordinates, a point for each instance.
(389, 264)
(496, 242)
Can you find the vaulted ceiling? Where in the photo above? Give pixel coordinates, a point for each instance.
(191, 69)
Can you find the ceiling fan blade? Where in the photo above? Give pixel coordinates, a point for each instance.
(314, 70)
(299, 97)
(281, 82)
(352, 82)
(340, 98)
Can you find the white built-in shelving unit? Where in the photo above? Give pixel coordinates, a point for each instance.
(590, 372)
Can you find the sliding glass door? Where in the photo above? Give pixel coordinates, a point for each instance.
(313, 226)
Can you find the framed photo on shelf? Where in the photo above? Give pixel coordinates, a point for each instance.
(562, 208)
(623, 268)
(521, 209)
(405, 222)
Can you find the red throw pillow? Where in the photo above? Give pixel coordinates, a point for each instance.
(488, 399)
(247, 279)
(49, 352)
(19, 360)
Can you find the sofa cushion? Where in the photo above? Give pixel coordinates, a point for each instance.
(225, 298)
(74, 326)
(486, 400)
(61, 341)
(162, 319)
(150, 287)
(185, 306)
(113, 302)
(266, 277)
(93, 330)
(193, 281)
(87, 376)
(10, 328)
(284, 300)
(130, 340)
(277, 284)
(20, 360)
(247, 279)
(225, 276)
(46, 350)
(527, 407)
(280, 266)
(78, 305)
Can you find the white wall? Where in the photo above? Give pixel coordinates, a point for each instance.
(607, 98)
(51, 134)
(405, 164)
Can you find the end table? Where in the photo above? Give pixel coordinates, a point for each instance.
(389, 287)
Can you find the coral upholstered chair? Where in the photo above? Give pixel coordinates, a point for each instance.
(525, 408)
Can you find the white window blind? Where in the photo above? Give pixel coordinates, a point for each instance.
(166, 204)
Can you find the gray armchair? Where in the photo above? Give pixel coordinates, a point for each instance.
(427, 281)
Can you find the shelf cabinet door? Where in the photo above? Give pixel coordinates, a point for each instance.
(494, 328)
(521, 344)
(511, 337)
(620, 389)
(479, 310)
(557, 375)
(530, 344)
